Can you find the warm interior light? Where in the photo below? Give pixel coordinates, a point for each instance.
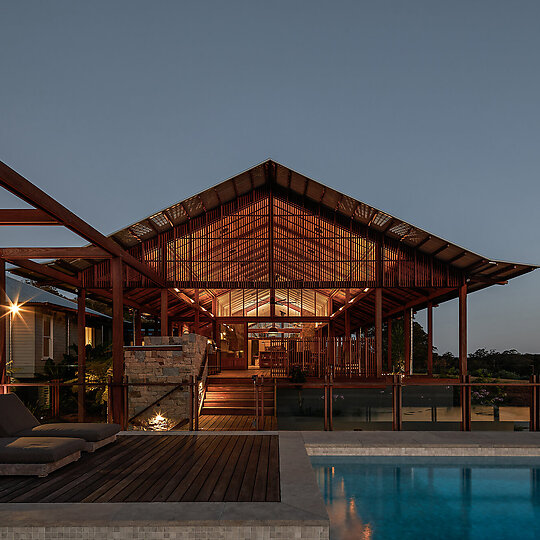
(14, 308)
(366, 289)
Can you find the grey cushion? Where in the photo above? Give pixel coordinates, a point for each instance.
(14, 416)
(37, 449)
(88, 432)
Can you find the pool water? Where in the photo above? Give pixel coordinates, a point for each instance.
(424, 498)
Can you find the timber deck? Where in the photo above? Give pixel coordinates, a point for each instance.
(161, 468)
(225, 422)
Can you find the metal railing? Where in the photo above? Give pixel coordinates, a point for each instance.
(397, 383)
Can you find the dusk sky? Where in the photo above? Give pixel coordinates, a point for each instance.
(428, 110)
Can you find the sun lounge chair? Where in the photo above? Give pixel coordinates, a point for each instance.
(17, 421)
(37, 456)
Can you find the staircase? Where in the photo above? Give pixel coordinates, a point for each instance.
(235, 396)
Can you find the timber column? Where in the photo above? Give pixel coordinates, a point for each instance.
(463, 329)
(118, 339)
(389, 345)
(81, 352)
(164, 326)
(430, 339)
(407, 318)
(3, 324)
(378, 332)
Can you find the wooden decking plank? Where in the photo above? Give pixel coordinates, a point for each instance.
(220, 423)
(209, 474)
(42, 487)
(177, 461)
(6, 488)
(261, 476)
(145, 492)
(121, 476)
(238, 474)
(272, 484)
(94, 477)
(209, 455)
(246, 489)
(222, 466)
(153, 468)
(218, 493)
(140, 486)
(198, 446)
(136, 471)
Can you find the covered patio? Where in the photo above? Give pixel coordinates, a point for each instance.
(280, 272)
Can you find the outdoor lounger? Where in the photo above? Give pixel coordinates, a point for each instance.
(17, 421)
(37, 455)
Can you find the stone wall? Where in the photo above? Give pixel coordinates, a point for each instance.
(166, 360)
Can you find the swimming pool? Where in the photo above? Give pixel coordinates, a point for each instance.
(447, 498)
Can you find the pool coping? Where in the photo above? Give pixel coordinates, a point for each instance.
(301, 509)
(422, 443)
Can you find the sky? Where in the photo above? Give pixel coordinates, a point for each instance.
(428, 110)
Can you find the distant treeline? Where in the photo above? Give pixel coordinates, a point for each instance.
(510, 364)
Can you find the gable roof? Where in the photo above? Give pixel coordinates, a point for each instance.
(293, 182)
(288, 184)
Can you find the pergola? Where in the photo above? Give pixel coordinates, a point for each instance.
(264, 247)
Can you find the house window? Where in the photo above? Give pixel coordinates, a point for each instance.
(89, 336)
(47, 336)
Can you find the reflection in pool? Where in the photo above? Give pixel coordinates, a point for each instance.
(401, 498)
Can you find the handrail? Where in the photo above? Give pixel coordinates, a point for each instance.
(178, 387)
(204, 362)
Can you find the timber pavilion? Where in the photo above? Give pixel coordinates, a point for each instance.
(277, 269)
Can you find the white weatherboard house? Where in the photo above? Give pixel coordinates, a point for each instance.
(43, 325)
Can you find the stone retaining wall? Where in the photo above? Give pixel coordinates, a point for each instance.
(165, 360)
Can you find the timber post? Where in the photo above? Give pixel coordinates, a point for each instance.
(3, 326)
(164, 313)
(325, 403)
(378, 333)
(397, 395)
(191, 385)
(465, 393)
(196, 405)
(534, 423)
(118, 338)
(463, 329)
(255, 379)
(430, 339)
(330, 403)
(81, 353)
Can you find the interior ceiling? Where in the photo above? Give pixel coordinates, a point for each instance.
(482, 271)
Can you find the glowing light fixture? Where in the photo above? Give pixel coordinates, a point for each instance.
(15, 308)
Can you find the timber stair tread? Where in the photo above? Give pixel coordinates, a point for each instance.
(234, 397)
(236, 411)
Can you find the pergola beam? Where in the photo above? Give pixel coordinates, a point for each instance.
(25, 216)
(47, 271)
(88, 252)
(28, 192)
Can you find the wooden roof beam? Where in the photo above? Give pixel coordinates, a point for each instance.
(420, 301)
(456, 257)
(25, 216)
(47, 271)
(440, 250)
(28, 192)
(89, 252)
